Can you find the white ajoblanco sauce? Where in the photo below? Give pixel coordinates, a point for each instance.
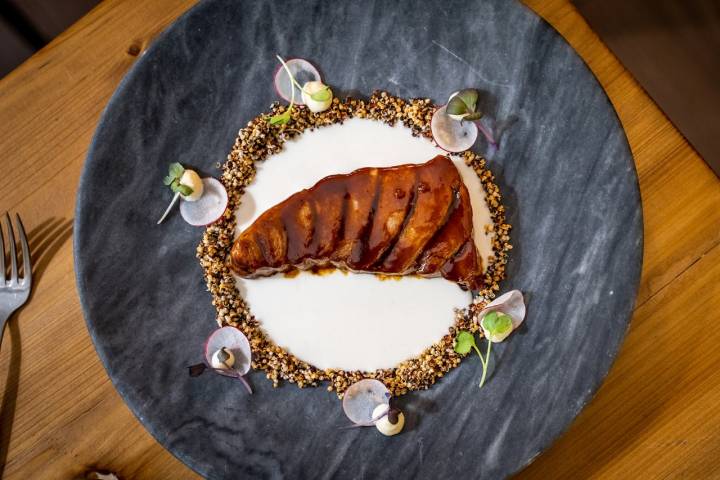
(352, 321)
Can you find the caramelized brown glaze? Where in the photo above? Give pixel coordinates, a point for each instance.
(392, 221)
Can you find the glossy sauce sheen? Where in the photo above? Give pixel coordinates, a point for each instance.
(393, 221)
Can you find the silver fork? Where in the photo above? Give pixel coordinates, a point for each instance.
(14, 291)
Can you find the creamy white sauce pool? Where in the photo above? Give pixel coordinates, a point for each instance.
(352, 321)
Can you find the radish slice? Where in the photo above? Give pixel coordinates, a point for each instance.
(361, 399)
(234, 340)
(302, 70)
(209, 208)
(451, 135)
(511, 304)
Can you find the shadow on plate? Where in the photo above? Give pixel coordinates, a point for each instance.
(415, 408)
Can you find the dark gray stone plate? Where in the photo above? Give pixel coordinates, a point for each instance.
(564, 167)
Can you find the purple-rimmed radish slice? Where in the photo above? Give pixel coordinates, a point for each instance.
(234, 340)
(302, 70)
(209, 207)
(451, 135)
(236, 343)
(361, 399)
(511, 303)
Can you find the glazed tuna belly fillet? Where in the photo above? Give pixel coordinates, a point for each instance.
(409, 219)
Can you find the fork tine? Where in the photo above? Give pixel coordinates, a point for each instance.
(13, 253)
(27, 267)
(2, 258)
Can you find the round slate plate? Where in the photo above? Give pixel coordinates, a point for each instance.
(564, 167)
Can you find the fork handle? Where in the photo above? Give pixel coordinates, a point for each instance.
(3, 321)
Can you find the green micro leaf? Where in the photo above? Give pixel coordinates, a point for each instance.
(280, 118)
(321, 95)
(176, 170)
(473, 116)
(489, 319)
(181, 189)
(456, 106)
(464, 342)
(168, 180)
(497, 323)
(469, 96)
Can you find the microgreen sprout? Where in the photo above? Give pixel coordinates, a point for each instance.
(496, 326)
(172, 180)
(322, 95)
(463, 106)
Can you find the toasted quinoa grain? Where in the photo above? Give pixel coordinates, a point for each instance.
(255, 143)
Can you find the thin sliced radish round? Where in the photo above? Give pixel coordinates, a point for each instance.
(511, 303)
(451, 135)
(361, 398)
(302, 70)
(235, 341)
(209, 207)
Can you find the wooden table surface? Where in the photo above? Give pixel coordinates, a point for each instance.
(656, 416)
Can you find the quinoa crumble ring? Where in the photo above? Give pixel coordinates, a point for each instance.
(256, 142)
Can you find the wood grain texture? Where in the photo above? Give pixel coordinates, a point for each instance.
(656, 416)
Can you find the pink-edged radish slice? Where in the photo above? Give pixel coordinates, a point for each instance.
(302, 70)
(511, 303)
(361, 398)
(234, 340)
(209, 207)
(451, 135)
